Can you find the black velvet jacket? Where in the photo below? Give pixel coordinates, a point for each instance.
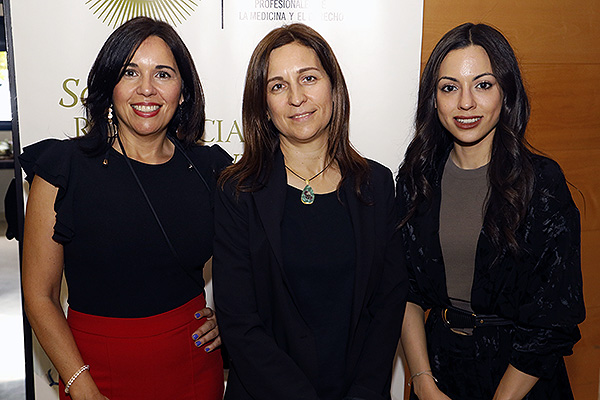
(541, 291)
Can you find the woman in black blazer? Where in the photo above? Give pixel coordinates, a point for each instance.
(492, 235)
(309, 282)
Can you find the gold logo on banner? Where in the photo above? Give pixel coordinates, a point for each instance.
(115, 12)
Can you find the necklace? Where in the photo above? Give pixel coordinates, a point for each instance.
(308, 194)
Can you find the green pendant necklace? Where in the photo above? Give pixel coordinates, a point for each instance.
(308, 194)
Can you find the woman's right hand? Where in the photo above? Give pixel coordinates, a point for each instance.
(414, 345)
(426, 389)
(91, 395)
(208, 334)
(84, 388)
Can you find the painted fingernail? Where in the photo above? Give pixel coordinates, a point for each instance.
(195, 336)
(197, 315)
(207, 349)
(198, 343)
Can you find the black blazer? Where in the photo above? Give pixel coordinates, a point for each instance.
(540, 291)
(272, 350)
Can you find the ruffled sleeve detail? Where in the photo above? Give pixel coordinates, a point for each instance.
(51, 160)
(211, 160)
(219, 159)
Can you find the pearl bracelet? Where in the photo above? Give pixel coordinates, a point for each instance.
(426, 372)
(75, 375)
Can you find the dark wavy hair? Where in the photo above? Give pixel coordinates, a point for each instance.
(260, 135)
(108, 69)
(510, 171)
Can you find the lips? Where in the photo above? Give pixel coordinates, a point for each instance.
(146, 110)
(467, 122)
(301, 116)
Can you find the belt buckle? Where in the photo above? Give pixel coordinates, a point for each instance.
(449, 326)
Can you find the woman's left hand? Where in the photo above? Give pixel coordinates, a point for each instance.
(208, 334)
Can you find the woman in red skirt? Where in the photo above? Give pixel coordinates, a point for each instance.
(126, 212)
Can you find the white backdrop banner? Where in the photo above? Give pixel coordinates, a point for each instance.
(377, 43)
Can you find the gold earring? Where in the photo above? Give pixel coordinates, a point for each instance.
(112, 127)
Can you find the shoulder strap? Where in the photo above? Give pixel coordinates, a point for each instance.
(162, 229)
(179, 147)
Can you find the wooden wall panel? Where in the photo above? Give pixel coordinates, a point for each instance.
(582, 169)
(565, 107)
(591, 289)
(558, 45)
(542, 31)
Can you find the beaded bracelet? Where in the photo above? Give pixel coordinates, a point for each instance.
(426, 372)
(75, 375)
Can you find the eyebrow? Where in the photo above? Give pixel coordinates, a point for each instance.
(131, 64)
(300, 71)
(477, 77)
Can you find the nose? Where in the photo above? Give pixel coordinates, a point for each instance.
(146, 86)
(296, 96)
(467, 100)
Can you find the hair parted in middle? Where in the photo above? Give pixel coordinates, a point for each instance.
(510, 171)
(260, 134)
(188, 122)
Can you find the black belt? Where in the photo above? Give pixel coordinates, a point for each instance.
(456, 318)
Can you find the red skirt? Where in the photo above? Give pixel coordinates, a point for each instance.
(148, 358)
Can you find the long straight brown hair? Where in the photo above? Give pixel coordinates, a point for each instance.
(260, 135)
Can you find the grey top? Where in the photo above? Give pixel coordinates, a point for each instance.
(461, 218)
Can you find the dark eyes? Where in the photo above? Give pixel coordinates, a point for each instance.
(448, 88)
(276, 87)
(306, 79)
(163, 74)
(131, 73)
(484, 85)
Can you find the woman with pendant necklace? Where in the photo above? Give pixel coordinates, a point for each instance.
(309, 281)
